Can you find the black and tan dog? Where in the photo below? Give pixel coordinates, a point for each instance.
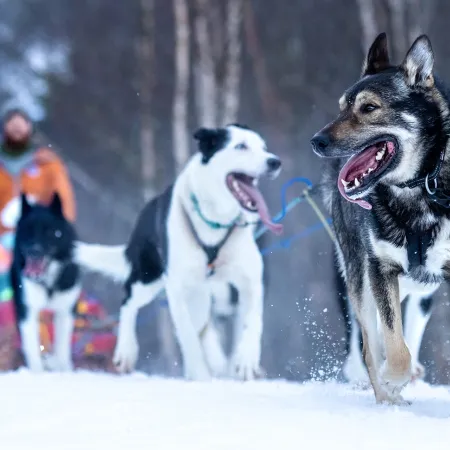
(388, 190)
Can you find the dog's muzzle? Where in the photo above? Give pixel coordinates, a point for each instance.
(319, 143)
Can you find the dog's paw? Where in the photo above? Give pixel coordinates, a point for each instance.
(244, 364)
(197, 373)
(126, 356)
(384, 398)
(36, 366)
(52, 363)
(393, 381)
(218, 364)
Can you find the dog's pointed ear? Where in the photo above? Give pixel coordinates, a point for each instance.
(378, 57)
(210, 140)
(56, 205)
(25, 205)
(418, 63)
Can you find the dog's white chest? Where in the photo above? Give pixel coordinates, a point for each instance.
(438, 254)
(425, 278)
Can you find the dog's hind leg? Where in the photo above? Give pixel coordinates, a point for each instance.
(214, 353)
(127, 347)
(417, 314)
(354, 368)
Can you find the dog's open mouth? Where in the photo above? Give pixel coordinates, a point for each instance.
(244, 189)
(363, 169)
(35, 268)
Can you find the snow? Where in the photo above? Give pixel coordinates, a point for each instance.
(87, 411)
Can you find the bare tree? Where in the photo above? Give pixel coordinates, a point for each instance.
(368, 23)
(397, 15)
(265, 89)
(206, 86)
(146, 58)
(233, 63)
(180, 101)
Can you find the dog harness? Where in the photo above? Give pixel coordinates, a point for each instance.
(212, 251)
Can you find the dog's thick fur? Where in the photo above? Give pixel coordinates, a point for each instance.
(405, 109)
(167, 250)
(44, 276)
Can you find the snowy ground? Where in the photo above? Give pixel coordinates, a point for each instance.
(85, 411)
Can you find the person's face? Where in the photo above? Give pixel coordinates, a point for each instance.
(17, 128)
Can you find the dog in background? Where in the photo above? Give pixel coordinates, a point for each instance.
(387, 187)
(195, 239)
(44, 276)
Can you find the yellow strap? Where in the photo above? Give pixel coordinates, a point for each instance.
(317, 210)
(202, 332)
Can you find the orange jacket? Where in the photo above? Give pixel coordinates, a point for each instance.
(40, 179)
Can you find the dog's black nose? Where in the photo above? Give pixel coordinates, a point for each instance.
(273, 164)
(320, 142)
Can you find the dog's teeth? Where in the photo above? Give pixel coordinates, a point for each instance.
(357, 183)
(370, 170)
(345, 183)
(380, 155)
(249, 204)
(235, 184)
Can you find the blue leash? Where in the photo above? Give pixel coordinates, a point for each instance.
(285, 208)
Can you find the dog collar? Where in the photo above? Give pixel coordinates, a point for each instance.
(217, 225)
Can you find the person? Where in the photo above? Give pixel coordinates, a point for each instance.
(25, 167)
(29, 168)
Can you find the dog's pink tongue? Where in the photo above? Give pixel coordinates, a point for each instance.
(343, 176)
(359, 201)
(263, 210)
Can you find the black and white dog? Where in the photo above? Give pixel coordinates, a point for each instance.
(193, 240)
(44, 276)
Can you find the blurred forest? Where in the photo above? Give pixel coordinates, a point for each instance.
(118, 88)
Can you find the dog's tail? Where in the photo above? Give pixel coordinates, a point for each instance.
(109, 260)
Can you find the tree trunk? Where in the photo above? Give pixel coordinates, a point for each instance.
(233, 63)
(146, 83)
(148, 153)
(397, 16)
(206, 86)
(266, 93)
(180, 102)
(368, 23)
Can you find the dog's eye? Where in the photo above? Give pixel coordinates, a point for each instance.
(368, 108)
(241, 146)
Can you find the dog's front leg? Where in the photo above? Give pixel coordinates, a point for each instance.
(29, 334)
(245, 359)
(64, 323)
(186, 320)
(396, 370)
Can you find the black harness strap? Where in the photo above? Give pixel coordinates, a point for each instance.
(211, 251)
(417, 244)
